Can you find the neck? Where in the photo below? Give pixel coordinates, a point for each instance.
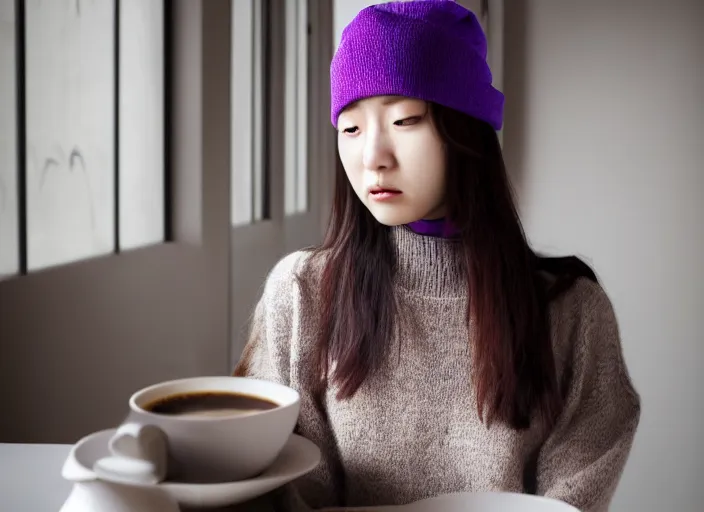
(427, 265)
(441, 228)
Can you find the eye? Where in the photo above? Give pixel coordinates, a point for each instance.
(351, 130)
(408, 121)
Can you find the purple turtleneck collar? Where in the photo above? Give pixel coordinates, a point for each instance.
(440, 228)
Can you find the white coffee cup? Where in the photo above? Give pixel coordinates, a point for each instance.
(210, 449)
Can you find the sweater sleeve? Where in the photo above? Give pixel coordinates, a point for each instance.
(275, 352)
(583, 458)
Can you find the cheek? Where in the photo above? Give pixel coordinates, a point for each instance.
(437, 165)
(350, 165)
(347, 151)
(429, 169)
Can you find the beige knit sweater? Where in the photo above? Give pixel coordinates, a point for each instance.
(412, 431)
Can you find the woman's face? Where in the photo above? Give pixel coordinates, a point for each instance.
(394, 158)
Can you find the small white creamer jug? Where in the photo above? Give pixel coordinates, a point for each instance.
(104, 490)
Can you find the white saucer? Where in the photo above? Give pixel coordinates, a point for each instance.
(490, 502)
(298, 457)
(481, 502)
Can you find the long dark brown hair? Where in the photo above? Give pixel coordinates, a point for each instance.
(513, 370)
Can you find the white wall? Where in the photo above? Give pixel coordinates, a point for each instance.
(605, 135)
(345, 10)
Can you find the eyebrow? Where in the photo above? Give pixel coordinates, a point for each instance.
(393, 99)
(390, 100)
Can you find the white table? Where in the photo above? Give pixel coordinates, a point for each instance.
(30, 479)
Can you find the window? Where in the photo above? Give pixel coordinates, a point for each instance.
(296, 108)
(249, 99)
(253, 71)
(142, 143)
(83, 148)
(9, 218)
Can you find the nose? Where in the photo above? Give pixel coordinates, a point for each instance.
(378, 153)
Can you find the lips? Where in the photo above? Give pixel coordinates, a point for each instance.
(384, 190)
(383, 193)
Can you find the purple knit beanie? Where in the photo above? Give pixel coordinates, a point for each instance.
(434, 50)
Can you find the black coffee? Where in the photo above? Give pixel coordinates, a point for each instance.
(208, 403)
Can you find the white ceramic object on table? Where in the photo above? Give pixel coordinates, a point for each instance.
(90, 493)
(211, 448)
(93, 494)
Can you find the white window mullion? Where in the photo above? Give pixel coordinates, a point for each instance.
(302, 108)
(141, 140)
(296, 108)
(242, 112)
(258, 99)
(290, 109)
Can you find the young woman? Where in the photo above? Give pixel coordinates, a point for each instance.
(434, 351)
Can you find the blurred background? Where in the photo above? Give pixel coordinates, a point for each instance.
(158, 157)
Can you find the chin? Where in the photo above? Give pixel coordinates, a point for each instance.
(390, 223)
(392, 218)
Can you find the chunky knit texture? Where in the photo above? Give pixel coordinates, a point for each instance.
(434, 50)
(412, 430)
